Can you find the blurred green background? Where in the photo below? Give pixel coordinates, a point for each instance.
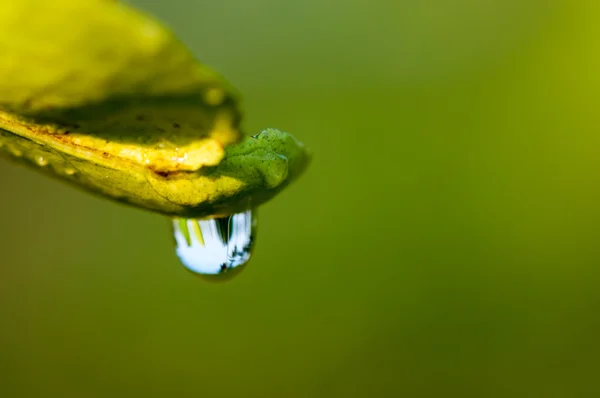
(444, 242)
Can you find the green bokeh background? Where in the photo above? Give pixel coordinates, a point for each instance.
(444, 242)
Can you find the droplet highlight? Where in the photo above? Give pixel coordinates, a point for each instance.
(41, 161)
(219, 247)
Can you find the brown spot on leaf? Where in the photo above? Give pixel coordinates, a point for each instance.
(162, 173)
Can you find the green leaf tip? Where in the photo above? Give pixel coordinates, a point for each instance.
(251, 173)
(116, 105)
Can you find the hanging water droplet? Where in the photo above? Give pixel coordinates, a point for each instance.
(217, 247)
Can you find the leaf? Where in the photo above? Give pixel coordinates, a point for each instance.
(105, 97)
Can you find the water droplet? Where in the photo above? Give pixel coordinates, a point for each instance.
(218, 247)
(69, 171)
(41, 161)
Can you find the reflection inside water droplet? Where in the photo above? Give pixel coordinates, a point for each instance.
(215, 247)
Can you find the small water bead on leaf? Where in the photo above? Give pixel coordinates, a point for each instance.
(41, 161)
(218, 247)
